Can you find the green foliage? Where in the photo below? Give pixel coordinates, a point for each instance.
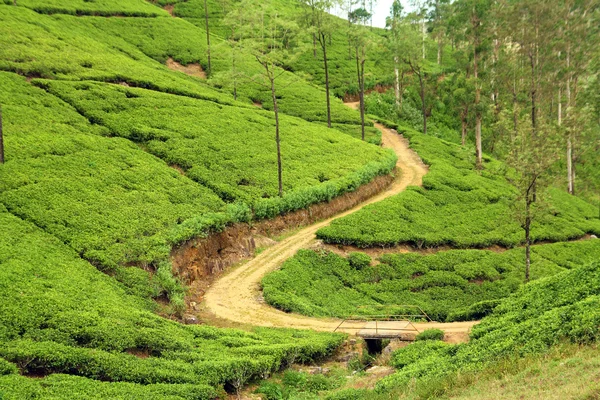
(129, 8)
(542, 314)
(359, 260)
(458, 207)
(456, 285)
(68, 387)
(60, 314)
(227, 148)
(431, 334)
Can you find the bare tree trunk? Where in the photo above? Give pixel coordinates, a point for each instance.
(478, 145)
(439, 52)
(424, 34)
(1, 139)
(277, 139)
(423, 107)
(527, 240)
(397, 83)
(360, 70)
(323, 41)
(207, 36)
(314, 45)
(464, 124)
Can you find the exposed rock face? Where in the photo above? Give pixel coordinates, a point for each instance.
(202, 259)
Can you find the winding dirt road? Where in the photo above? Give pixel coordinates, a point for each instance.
(236, 296)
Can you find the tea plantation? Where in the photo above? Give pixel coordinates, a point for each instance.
(112, 159)
(455, 285)
(61, 315)
(458, 207)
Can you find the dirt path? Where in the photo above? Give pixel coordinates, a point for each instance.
(236, 296)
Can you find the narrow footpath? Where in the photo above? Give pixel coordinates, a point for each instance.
(236, 296)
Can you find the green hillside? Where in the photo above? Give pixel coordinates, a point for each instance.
(122, 144)
(62, 315)
(459, 207)
(455, 285)
(112, 159)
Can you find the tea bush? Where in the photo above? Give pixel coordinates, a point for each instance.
(454, 285)
(430, 334)
(541, 314)
(60, 314)
(458, 207)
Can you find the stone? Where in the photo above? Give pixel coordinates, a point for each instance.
(593, 237)
(315, 370)
(194, 305)
(190, 320)
(348, 356)
(352, 342)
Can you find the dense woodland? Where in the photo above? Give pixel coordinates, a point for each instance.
(130, 127)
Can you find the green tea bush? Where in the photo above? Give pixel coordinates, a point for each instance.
(68, 387)
(455, 285)
(540, 315)
(60, 314)
(430, 334)
(359, 260)
(230, 149)
(458, 207)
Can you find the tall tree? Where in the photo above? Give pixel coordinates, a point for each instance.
(411, 56)
(437, 18)
(273, 46)
(421, 11)
(530, 160)
(321, 26)
(393, 23)
(206, 25)
(474, 13)
(359, 38)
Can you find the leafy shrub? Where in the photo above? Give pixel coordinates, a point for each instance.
(358, 260)
(455, 285)
(431, 334)
(542, 314)
(457, 207)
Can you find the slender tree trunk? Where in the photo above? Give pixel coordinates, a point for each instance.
(234, 72)
(439, 52)
(527, 238)
(277, 139)
(207, 36)
(323, 41)
(464, 124)
(423, 107)
(314, 45)
(478, 145)
(570, 175)
(424, 34)
(397, 83)
(361, 91)
(1, 139)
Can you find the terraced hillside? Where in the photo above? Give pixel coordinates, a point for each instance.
(113, 158)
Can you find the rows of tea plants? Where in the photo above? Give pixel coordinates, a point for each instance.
(459, 207)
(131, 8)
(59, 47)
(448, 285)
(229, 149)
(134, 50)
(342, 64)
(104, 197)
(59, 316)
(162, 38)
(540, 316)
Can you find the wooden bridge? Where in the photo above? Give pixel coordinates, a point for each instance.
(382, 325)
